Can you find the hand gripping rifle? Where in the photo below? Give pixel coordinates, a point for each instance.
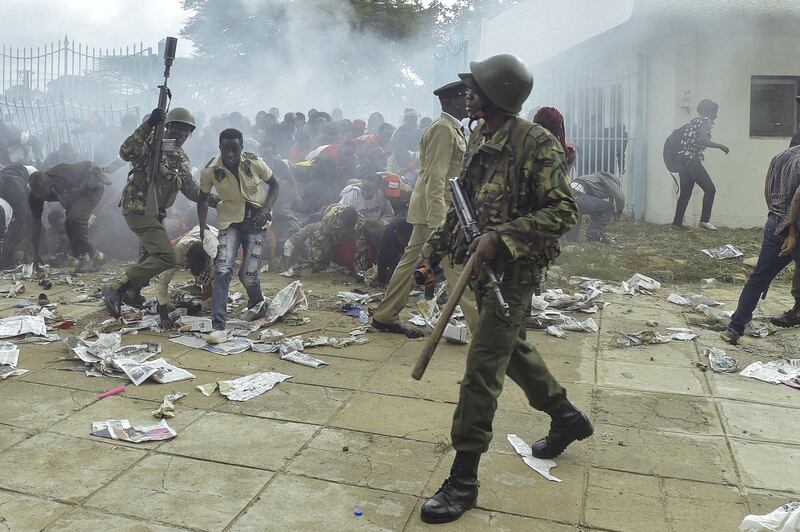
(164, 94)
(471, 231)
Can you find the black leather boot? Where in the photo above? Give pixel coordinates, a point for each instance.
(459, 492)
(790, 318)
(567, 424)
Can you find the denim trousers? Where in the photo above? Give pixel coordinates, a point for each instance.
(251, 240)
(601, 212)
(768, 266)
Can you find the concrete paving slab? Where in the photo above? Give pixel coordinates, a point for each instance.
(703, 458)
(292, 402)
(402, 417)
(513, 398)
(377, 349)
(22, 512)
(679, 354)
(762, 422)
(57, 376)
(627, 502)
(508, 485)
(137, 412)
(735, 386)
(661, 412)
(181, 491)
(81, 520)
(368, 460)
(451, 357)
(649, 377)
(33, 357)
(12, 435)
(637, 312)
(241, 440)
(436, 385)
(571, 369)
(62, 467)
(574, 344)
(350, 374)
(325, 506)
(152, 391)
(477, 520)
(35, 406)
(767, 465)
(763, 501)
(241, 364)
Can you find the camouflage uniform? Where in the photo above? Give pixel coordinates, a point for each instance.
(157, 254)
(516, 179)
(332, 233)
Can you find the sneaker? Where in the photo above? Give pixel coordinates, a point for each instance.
(217, 337)
(731, 336)
(98, 261)
(84, 263)
(708, 226)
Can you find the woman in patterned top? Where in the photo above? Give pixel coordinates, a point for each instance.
(696, 138)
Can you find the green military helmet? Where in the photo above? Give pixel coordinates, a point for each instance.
(182, 115)
(504, 79)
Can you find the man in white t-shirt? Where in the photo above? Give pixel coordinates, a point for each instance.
(368, 198)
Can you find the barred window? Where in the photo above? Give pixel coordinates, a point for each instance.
(773, 108)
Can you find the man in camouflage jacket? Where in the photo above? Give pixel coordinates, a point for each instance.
(514, 173)
(174, 175)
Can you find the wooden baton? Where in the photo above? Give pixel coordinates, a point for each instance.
(444, 320)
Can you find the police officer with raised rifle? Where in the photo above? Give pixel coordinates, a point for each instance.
(160, 169)
(514, 174)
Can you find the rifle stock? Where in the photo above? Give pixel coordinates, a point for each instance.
(444, 319)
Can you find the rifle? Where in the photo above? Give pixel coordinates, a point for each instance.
(471, 231)
(164, 94)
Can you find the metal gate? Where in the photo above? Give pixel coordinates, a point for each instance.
(604, 118)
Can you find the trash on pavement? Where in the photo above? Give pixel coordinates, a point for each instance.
(554, 330)
(720, 362)
(454, 333)
(11, 371)
(541, 466)
(301, 358)
(756, 331)
(9, 354)
(19, 325)
(121, 429)
(113, 391)
(708, 283)
(654, 337)
(774, 371)
(194, 324)
(167, 408)
(725, 252)
(785, 518)
(249, 386)
(286, 300)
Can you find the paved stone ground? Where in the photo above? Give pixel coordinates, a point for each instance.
(676, 448)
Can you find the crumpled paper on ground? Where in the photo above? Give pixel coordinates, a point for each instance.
(541, 466)
(245, 388)
(638, 283)
(167, 408)
(727, 251)
(287, 299)
(774, 371)
(785, 518)
(19, 325)
(121, 429)
(654, 337)
(720, 362)
(301, 358)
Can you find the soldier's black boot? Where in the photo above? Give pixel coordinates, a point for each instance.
(84, 263)
(112, 296)
(459, 492)
(790, 318)
(567, 424)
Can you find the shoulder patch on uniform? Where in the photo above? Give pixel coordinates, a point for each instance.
(219, 174)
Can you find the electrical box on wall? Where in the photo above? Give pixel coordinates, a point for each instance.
(686, 100)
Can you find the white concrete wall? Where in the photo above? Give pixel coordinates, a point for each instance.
(714, 65)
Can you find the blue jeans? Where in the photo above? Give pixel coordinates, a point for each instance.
(600, 210)
(769, 265)
(230, 239)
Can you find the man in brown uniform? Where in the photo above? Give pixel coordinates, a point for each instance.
(441, 151)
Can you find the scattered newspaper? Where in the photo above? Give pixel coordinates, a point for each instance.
(301, 358)
(9, 354)
(249, 386)
(725, 252)
(774, 371)
(286, 300)
(554, 330)
(167, 408)
(19, 325)
(194, 324)
(720, 362)
(121, 429)
(11, 371)
(654, 337)
(541, 466)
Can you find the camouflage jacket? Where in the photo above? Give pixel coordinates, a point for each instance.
(331, 233)
(516, 180)
(174, 175)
